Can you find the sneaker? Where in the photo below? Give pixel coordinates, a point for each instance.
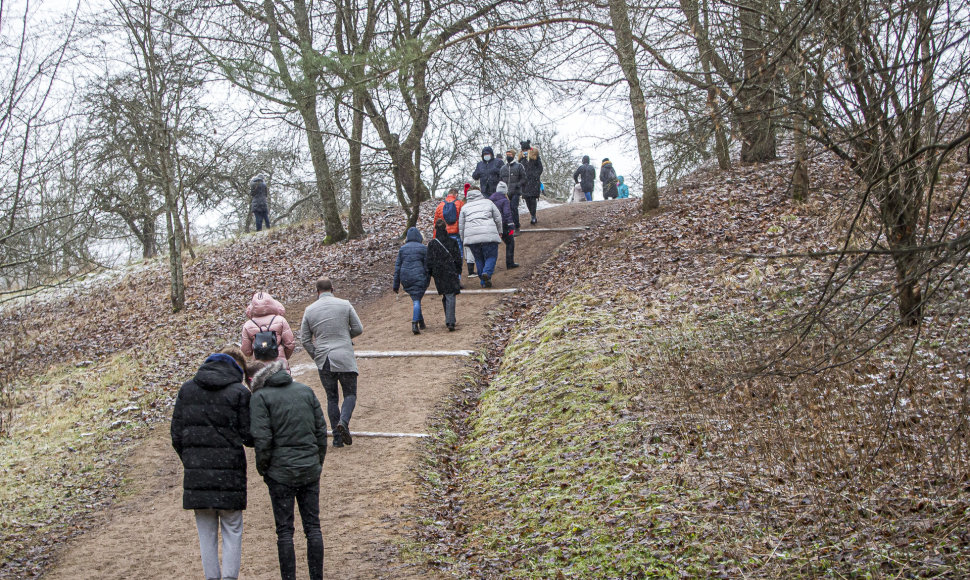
(534, 221)
(414, 328)
(421, 324)
(338, 441)
(344, 433)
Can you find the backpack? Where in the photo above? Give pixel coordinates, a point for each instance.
(450, 213)
(265, 344)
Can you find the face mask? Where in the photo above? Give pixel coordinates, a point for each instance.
(487, 157)
(509, 158)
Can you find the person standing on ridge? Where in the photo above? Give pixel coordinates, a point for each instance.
(608, 179)
(532, 187)
(290, 437)
(513, 174)
(480, 224)
(622, 190)
(508, 230)
(210, 427)
(260, 203)
(585, 176)
(411, 271)
(328, 326)
(487, 172)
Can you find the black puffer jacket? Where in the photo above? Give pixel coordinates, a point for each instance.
(289, 432)
(486, 172)
(513, 174)
(585, 175)
(210, 426)
(533, 176)
(444, 263)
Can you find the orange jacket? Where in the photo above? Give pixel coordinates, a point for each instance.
(439, 213)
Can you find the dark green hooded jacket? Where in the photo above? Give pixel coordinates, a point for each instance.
(288, 429)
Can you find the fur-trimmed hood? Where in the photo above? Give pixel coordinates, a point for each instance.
(267, 376)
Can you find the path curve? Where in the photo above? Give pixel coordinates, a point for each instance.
(365, 488)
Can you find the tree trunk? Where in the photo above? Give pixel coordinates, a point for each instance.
(187, 229)
(755, 95)
(174, 228)
(321, 169)
(147, 237)
(721, 148)
(355, 224)
(620, 18)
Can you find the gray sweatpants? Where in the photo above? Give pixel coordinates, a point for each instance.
(208, 522)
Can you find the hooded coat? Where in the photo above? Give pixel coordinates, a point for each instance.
(289, 432)
(623, 190)
(487, 172)
(266, 313)
(585, 175)
(210, 426)
(502, 203)
(257, 191)
(480, 220)
(608, 178)
(411, 268)
(532, 163)
(444, 263)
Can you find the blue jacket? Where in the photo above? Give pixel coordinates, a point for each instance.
(623, 189)
(411, 269)
(487, 172)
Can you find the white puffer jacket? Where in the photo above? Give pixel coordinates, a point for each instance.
(480, 221)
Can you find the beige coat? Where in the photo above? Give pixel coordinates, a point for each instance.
(328, 326)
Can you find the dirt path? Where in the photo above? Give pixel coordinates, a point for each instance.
(365, 488)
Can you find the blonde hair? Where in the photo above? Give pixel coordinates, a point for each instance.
(532, 153)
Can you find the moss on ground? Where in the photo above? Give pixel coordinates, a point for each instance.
(552, 460)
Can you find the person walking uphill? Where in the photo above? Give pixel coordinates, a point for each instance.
(444, 265)
(266, 314)
(487, 172)
(327, 330)
(508, 230)
(259, 204)
(290, 437)
(480, 224)
(210, 426)
(585, 176)
(513, 174)
(411, 271)
(608, 179)
(532, 186)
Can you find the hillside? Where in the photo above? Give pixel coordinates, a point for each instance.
(614, 426)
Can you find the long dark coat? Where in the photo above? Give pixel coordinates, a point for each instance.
(487, 172)
(210, 426)
(444, 263)
(533, 176)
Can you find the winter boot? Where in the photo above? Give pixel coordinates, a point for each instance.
(471, 269)
(414, 328)
(421, 324)
(344, 433)
(451, 327)
(338, 441)
(486, 281)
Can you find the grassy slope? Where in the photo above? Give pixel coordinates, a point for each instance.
(607, 434)
(98, 369)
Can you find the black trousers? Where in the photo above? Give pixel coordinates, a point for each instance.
(531, 203)
(509, 249)
(329, 379)
(514, 202)
(261, 218)
(307, 498)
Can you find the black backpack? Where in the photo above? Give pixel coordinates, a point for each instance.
(265, 343)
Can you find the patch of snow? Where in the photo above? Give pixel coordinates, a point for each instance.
(541, 205)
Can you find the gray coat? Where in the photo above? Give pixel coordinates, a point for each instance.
(328, 326)
(513, 174)
(480, 221)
